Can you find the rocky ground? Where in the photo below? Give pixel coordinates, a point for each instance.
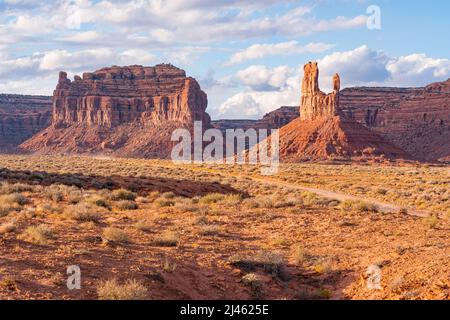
(153, 230)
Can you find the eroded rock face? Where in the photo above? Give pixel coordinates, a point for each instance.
(416, 119)
(117, 95)
(314, 103)
(124, 111)
(323, 131)
(21, 117)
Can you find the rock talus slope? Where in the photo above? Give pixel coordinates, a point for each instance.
(121, 111)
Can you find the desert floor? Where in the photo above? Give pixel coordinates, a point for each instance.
(147, 229)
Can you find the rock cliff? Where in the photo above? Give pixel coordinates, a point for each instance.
(21, 117)
(124, 111)
(416, 119)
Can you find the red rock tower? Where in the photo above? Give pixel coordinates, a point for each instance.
(314, 103)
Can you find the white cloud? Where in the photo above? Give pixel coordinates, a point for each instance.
(254, 104)
(261, 78)
(356, 67)
(64, 60)
(267, 89)
(417, 69)
(258, 51)
(366, 67)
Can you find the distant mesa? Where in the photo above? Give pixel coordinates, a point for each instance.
(22, 116)
(121, 111)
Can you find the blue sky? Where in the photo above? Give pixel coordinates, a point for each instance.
(247, 55)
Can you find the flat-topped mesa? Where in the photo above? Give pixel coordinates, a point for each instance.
(135, 94)
(314, 103)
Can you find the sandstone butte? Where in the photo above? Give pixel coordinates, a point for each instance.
(121, 111)
(323, 130)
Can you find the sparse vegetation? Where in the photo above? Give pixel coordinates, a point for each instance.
(40, 234)
(123, 194)
(130, 290)
(217, 215)
(167, 239)
(115, 235)
(83, 212)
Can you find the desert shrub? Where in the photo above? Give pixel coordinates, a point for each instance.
(127, 205)
(83, 211)
(251, 203)
(14, 199)
(266, 202)
(98, 201)
(167, 239)
(6, 209)
(8, 227)
(168, 195)
(431, 222)
(271, 262)
(75, 197)
(284, 204)
(298, 253)
(116, 235)
(186, 205)
(358, 205)
(254, 282)
(211, 198)
(123, 194)
(112, 290)
(163, 202)
(7, 188)
(201, 220)
(403, 211)
(233, 199)
(168, 266)
(309, 198)
(40, 234)
(54, 192)
(143, 225)
(49, 208)
(209, 230)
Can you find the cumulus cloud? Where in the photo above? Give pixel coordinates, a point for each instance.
(258, 51)
(261, 78)
(253, 103)
(267, 89)
(366, 67)
(170, 21)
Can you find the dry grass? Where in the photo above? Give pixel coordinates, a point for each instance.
(130, 290)
(115, 235)
(167, 239)
(40, 234)
(83, 212)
